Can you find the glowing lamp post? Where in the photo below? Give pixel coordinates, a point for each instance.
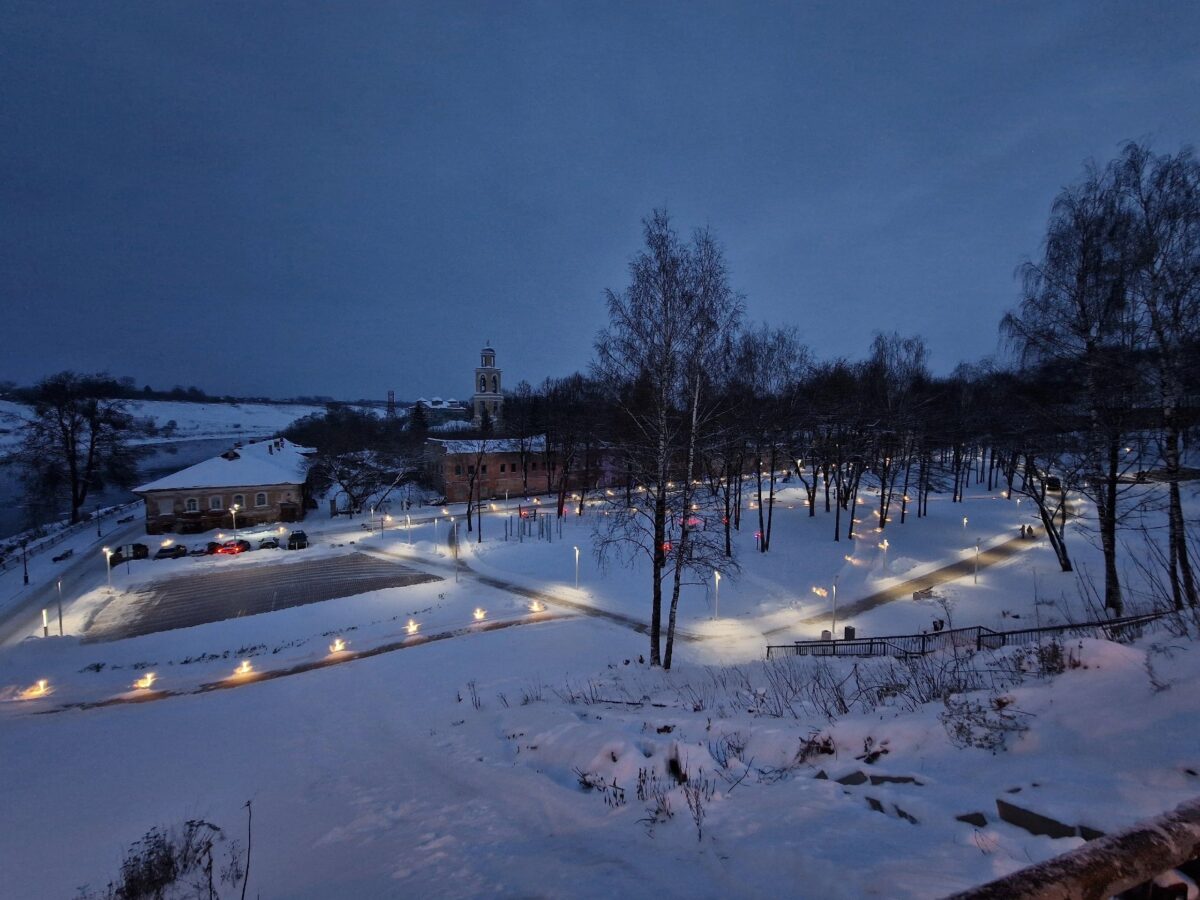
(108, 565)
(717, 587)
(576, 568)
(964, 523)
(233, 511)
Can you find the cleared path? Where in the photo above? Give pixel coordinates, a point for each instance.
(905, 589)
(214, 596)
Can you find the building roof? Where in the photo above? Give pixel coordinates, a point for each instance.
(491, 445)
(439, 403)
(263, 463)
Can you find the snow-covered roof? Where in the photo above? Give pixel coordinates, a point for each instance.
(262, 463)
(439, 403)
(492, 445)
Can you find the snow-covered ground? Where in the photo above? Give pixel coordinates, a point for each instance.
(193, 421)
(382, 775)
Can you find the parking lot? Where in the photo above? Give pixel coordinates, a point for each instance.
(213, 596)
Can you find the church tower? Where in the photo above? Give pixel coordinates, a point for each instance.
(487, 388)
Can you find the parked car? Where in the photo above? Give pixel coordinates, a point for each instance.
(204, 549)
(174, 551)
(269, 544)
(129, 551)
(234, 547)
(297, 540)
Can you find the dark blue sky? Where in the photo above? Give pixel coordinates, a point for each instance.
(347, 197)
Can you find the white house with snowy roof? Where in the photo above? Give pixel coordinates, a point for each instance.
(267, 481)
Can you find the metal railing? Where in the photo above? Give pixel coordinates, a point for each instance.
(975, 638)
(40, 545)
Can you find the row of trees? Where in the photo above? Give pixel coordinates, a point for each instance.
(685, 398)
(1097, 398)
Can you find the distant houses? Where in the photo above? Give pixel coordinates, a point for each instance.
(267, 481)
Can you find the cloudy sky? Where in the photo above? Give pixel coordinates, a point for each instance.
(347, 197)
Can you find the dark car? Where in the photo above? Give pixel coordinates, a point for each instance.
(174, 551)
(129, 551)
(297, 540)
(204, 549)
(234, 547)
(269, 544)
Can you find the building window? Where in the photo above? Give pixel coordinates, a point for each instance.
(458, 470)
(495, 384)
(260, 499)
(482, 384)
(239, 500)
(470, 470)
(193, 505)
(214, 503)
(502, 468)
(533, 466)
(483, 469)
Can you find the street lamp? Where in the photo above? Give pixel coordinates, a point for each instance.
(576, 568)
(833, 631)
(25, 558)
(408, 524)
(717, 603)
(233, 511)
(60, 625)
(108, 566)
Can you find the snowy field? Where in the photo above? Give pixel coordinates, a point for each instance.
(452, 762)
(193, 421)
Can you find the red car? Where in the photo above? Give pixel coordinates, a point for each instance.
(234, 547)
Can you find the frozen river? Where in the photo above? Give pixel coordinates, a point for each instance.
(161, 460)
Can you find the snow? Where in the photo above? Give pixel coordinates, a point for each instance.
(250, 465)
(377, 776)
(193, 421)
(495, 445)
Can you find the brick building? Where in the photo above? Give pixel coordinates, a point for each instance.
(503, 469)
(267, 481)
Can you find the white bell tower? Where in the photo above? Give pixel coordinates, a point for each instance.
(487, 388)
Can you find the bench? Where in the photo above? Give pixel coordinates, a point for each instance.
(923, 594)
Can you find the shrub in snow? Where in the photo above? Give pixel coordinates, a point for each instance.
(177, 864)
(970, 723)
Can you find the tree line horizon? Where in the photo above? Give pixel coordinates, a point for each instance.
(1096, 397)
